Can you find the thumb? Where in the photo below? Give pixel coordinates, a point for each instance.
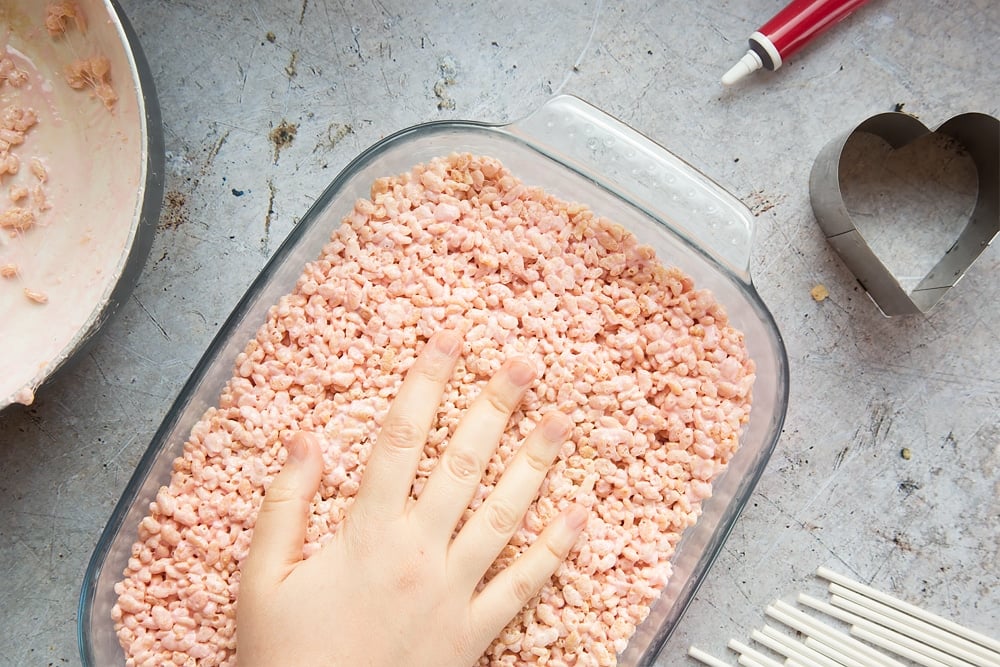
(280, 530)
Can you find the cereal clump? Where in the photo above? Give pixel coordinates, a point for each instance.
(27, 201)
(58, 15)
(93, 73)
(655, 380)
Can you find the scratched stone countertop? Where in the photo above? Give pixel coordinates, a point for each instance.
(265, 102)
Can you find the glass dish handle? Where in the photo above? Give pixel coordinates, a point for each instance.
(650, 177)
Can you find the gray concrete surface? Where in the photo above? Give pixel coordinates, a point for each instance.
(344, 74)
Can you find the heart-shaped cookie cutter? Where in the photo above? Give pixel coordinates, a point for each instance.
(979, 135)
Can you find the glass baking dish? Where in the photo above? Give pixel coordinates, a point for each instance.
(578, 153)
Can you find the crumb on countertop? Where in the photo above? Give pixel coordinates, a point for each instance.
(819, 293)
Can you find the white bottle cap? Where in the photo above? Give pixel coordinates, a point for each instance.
(751, 62)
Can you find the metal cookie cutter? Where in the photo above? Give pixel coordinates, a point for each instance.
(979, 134)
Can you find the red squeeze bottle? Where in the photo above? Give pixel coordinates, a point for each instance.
(787, 32)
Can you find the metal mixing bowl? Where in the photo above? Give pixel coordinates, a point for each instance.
(105, 184)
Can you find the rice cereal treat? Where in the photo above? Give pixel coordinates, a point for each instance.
(656, 381)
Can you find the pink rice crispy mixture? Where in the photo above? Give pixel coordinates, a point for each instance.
(656, 381)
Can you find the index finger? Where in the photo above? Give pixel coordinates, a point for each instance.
(392, 465)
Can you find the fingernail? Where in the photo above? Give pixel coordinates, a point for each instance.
(521, 372)
(557, 427)
(298, 448)
(447, 343)
(577, 516)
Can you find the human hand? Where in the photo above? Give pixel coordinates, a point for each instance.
(395, 586)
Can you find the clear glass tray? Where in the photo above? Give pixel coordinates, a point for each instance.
(578, 153)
